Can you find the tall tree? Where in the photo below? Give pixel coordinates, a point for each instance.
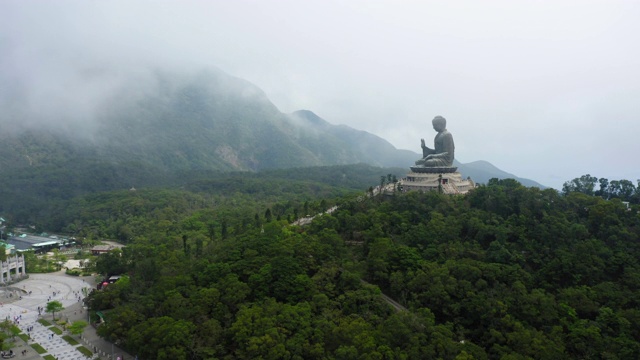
(603, 192)
(224, 232)
(53, 307)
(77, 327)
(584, 184)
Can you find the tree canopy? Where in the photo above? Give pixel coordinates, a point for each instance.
(506, 272)
(53, 307)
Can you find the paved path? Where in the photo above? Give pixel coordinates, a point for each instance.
(69, 291)
(307, 220)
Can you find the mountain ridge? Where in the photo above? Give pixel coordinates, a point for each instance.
(481, 171)
(206, 120)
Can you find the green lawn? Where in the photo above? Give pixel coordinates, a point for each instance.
(15, 330)
(44, 322)
(56, 330)
(70, 340)
(39, 349)
(85, 351)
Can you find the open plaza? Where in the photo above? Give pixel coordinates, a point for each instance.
(20, 303)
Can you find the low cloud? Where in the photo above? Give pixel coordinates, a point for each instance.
(542, 90)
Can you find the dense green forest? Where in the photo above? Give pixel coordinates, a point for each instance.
(95, 200)
(506, 272)
(615, 189)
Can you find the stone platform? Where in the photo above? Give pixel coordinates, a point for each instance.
(433, 170)
(447, 182)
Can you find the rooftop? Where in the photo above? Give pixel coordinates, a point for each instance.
(103, 248)
(25, 242)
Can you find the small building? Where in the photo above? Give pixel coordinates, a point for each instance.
(39, 244)
(8, 248)
(13, 269)
(101, 249)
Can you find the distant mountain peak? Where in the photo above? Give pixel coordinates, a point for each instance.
(482, 164)
(310, 117)
(481, 171)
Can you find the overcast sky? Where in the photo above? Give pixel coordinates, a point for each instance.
(548, 90)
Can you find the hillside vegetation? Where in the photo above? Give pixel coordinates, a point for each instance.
(163, 128)
(62, 205)
(507, 272)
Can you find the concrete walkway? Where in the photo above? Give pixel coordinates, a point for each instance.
(69, 291)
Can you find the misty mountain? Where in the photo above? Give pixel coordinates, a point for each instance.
(382, 153)
(482, 171)
(365, 146)
(150, 127)
(208, 120)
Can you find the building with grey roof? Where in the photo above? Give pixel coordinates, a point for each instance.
(32, 242)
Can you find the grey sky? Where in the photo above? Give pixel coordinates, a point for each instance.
(548, 90)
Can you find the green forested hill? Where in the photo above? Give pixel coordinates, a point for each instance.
(163, 129)
(56, 201)
(157, 129)
(160, 131)
(506, 272)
